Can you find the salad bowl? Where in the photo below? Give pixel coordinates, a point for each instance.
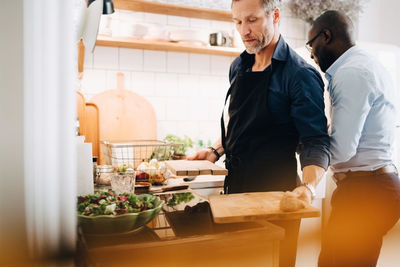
(108, 213)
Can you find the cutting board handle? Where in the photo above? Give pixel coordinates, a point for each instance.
(120, 81)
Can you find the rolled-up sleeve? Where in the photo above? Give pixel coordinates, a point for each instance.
(307, 111)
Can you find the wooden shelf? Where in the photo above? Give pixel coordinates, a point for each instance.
(127, 42)
(175, 10)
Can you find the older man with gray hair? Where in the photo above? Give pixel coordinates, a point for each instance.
(275, 104)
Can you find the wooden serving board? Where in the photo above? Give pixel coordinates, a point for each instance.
(125, 116)
(254, 206)
(194, 167)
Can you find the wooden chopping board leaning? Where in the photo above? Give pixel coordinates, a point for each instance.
(125, 115)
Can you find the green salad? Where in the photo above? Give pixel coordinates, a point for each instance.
(109, 203)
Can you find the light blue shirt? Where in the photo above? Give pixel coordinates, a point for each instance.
(363, 112)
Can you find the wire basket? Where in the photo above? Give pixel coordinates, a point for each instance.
(132, 153)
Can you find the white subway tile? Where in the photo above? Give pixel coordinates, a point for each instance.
(165, 128)
(105, 58)
(209, 130)
(94, 81)
(209, 86)
(155, 18)
(88, 63)
(126, 15)
(155, 61)
(178, 21)
(177, 62)
(112, 79)
(200, 23)
(188, 85)
(143, 83)
(217, 25)
(159, 104)
(214, 109)
(220, 65)
(138, 17)
(224, 85)
(177, 109)
(188, 128)
(130, 59)
(197, 109)
(199, 64)
(237, 40)
(166, 84)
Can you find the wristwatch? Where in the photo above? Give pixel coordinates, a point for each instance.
(311, 188)
(215, 152)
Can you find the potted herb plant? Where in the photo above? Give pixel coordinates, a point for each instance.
(179, 152)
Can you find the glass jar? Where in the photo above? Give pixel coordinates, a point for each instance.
(124, 182)
(104, 174)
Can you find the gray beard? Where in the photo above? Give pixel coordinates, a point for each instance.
(257, 49)
(254, 50)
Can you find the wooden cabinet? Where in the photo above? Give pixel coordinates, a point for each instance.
(175, 10)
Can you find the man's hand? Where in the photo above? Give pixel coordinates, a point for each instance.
(206, 154)
(303, 193)
(312, 174)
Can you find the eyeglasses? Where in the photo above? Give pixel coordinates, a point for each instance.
(309, 43)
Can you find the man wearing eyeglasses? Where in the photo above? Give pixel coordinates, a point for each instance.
(275, 102)
(366, 202)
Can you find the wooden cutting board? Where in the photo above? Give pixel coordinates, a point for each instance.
(254, 206)
(125, 115)
(194, 167)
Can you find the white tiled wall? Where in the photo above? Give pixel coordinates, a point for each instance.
(186, 90)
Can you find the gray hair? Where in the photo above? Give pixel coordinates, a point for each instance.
(269, 5)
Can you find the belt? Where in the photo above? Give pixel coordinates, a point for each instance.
(339, 176)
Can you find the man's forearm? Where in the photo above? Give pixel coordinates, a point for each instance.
(218, 146)
(312, 174)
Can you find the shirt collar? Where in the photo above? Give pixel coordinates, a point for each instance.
(330, 72)
(280, 54)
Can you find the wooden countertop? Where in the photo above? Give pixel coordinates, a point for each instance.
(185, 235)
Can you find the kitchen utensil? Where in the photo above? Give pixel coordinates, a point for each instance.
(194, 167)
(190, 178)
(254, 206)
(170, 188)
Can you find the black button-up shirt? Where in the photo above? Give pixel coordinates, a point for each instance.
(296, 98)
